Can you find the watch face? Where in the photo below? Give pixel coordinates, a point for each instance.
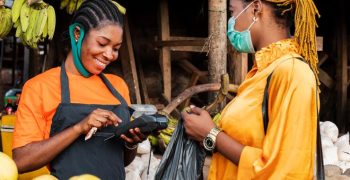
(208, 144)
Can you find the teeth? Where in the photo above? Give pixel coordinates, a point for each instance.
(100, 63)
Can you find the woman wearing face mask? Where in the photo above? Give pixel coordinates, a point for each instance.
(61, 106)
(286, 150)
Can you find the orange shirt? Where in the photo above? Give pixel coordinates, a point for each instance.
(288, 149)
(42, 94)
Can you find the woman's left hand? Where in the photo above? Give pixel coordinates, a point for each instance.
(197, 123)
(134, 137)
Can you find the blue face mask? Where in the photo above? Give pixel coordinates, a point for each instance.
(241, 41)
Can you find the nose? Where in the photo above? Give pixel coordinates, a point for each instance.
(109, 54)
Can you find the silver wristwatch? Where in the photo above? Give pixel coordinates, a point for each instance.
(209, 141)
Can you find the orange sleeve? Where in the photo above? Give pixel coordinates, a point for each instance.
(30, 123)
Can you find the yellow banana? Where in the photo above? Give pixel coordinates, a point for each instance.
(40, 23)
(165, 138)
(51, 21)
(19, 31)
(24, 17)
(32, 21)
(120, 7)
(45, 29)
(153, 140)
(6, 22)
(16, 9)
(2, 18)
(168, 131)
(71, 6)
(17, 23)
(64, 4)
(79, 3)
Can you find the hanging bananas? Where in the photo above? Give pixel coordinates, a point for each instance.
(71, 5)
(165, 135)
(33, 22)
(6, 21)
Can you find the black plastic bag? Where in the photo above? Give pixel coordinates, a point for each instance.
(183, 159)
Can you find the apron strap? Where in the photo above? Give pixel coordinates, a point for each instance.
(65, 95)
(113, 90)
(65, 98)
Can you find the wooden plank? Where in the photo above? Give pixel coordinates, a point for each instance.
(189, 48)
(325, 78)
(132, 61)
(217, 14)
(322, 60)
(189, 67)
(129, 66)
(239, 66)
(188, 42)
(342, 71)
(319, 43)
(164, 54)
(174, 38)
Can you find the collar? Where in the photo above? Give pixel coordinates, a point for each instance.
(274, 51)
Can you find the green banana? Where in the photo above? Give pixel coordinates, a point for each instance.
(72, 6)
(79, 3)
(165, 138)
(64, 4)
(16, 9)
(44, 34)
(32, 21)
(6, 24)
(51, 21)
(24, 17)
(40, 23)
(120, 7)
(19, 30)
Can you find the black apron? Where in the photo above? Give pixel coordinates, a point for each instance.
(104, 159)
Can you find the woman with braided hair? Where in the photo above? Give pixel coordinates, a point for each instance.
(286, 147)
(67, 114)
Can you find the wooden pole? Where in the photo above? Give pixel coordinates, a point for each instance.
(342, 72)
(164, 53)
(217, 14)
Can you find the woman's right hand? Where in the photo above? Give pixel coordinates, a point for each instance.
(97, 118)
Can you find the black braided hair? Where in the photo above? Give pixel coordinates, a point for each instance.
(94, 13)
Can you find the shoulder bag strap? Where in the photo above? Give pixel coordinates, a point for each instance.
(319, 159)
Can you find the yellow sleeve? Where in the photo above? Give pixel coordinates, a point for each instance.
(288, 149)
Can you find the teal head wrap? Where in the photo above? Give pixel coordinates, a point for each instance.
(76, 49)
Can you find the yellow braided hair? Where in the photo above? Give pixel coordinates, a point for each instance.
(305, 27)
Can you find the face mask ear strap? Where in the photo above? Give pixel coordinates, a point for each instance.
(254, 21)
(244, 9)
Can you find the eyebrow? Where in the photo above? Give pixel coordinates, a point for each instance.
(109, 39)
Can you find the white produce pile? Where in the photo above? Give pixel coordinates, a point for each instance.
(336, 150)
(142, 168)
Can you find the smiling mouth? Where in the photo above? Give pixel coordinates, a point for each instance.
(100, 63)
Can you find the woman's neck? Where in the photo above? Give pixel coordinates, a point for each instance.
(70, 66)
(275, 36)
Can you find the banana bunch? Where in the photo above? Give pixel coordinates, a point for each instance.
(34, 22)
(164, 136)
(6, 21)
(71, 5)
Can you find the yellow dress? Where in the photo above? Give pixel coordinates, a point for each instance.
(288, 149)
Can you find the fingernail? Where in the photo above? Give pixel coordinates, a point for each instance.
(192, 106)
